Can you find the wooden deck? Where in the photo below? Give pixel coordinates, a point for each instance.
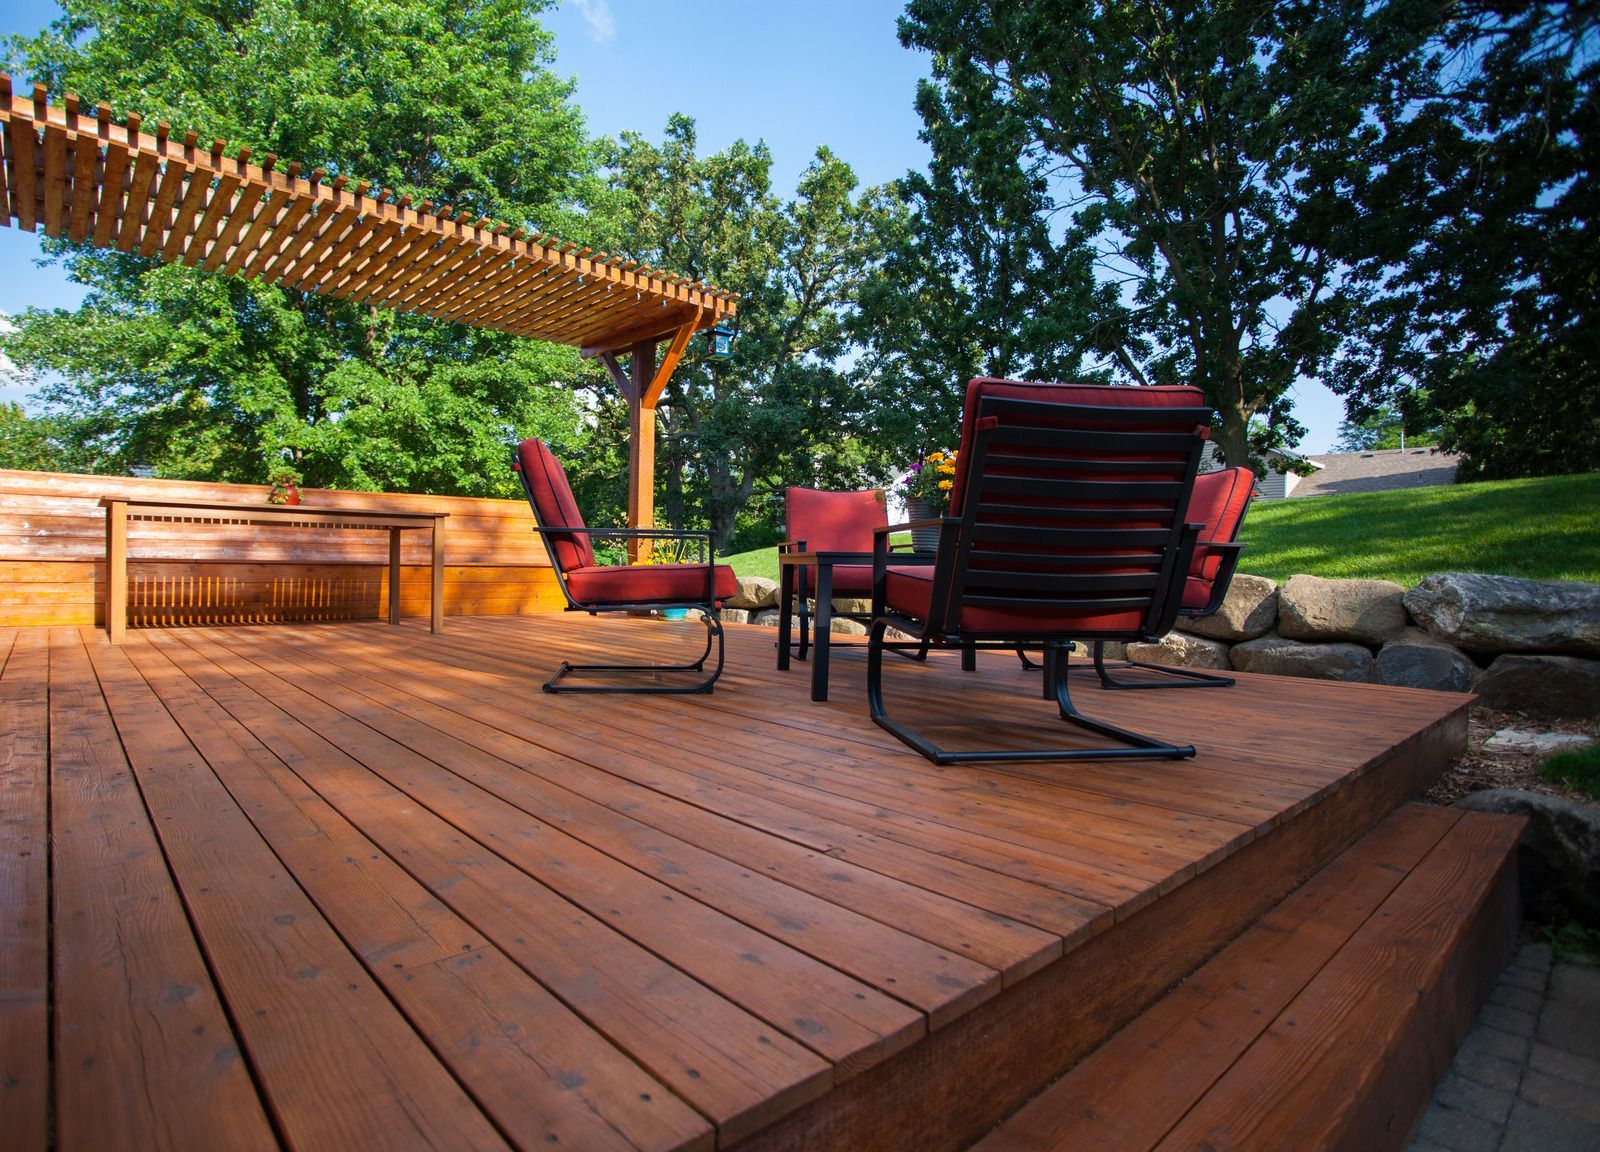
(350, 886)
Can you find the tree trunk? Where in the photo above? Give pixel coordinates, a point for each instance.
(1233, 438)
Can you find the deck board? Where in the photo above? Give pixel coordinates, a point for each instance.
(24, 891)
(613, 922)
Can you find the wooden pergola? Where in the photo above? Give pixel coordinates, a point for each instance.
(165, 195)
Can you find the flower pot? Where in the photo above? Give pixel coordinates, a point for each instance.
(922, 539)
(284, 494)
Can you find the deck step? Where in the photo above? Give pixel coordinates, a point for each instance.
(1325, 1025)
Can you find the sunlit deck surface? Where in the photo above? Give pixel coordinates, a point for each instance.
(347, 886)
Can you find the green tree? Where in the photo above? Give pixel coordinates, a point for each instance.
(974, 280)
(1205, 148)
(33, 443)
(221, 378)
(1476, 247)
(1384, 429)
(785, 408)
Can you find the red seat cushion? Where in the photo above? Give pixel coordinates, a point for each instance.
(648, 584)
(909, 590)
(553, 505)
(835, 521)
(853, 580)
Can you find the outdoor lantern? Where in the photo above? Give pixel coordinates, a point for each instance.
(719, 342)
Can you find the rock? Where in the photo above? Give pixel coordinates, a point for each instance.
(858, 607)
(1542, 685)
(1414, 659)
(735, 616)
(1366, 611)
(755, 592)
(1248, 610)
(843, 626)
(1559, 859)
(1277, 656)
(1540, 743)
(767, 618)
(1494, 614)
(1183, 650)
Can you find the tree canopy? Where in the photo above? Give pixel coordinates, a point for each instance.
(787, 407)
(1476, 247)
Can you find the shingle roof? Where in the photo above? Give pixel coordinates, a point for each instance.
(1378, 471)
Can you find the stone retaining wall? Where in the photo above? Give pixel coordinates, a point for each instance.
(1524, 645)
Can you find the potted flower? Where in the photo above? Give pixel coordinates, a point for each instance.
(285, 483)
(927, 494)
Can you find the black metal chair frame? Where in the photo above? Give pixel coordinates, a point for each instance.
(707, 606)
(1158, 593)
(1176, 677)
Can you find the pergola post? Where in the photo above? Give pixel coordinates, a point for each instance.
(641, 445)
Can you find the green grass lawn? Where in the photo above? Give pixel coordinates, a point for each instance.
(1544, 529)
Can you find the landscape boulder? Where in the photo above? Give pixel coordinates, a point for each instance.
(1277, 656)
(736, 616)
(767, 617)
(1414, 659)
(1559, 858)
(1183, 650)
(859, 606)
(844, 626)
(1248, 611)
(1366, 611)
(1535, 743)
(1494, 614)
(1542, 685)
(754, 592)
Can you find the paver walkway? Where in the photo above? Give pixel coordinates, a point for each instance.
(1527, 1079)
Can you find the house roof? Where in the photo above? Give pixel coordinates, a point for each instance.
(166, 195)
(1378, 471)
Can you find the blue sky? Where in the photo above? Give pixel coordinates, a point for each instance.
(794, 74)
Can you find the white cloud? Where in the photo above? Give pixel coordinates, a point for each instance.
(597, 14)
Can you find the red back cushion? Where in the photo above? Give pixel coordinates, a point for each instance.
(1218, 501)
(1097, 395)
(553, 505)
(835, 521)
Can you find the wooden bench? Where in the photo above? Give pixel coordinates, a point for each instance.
(1326, 1025)
(119, 511)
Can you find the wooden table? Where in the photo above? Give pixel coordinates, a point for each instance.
(120, 511)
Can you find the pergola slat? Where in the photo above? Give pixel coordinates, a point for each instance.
(195, 190)
(116, 185)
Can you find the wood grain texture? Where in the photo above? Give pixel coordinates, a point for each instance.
(1131, 1091)
(659, 923)
(145, 1056)
(24, 891)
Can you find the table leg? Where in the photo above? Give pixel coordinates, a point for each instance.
(785, 613)
(117, 571)
(436, 586)
(822, 627)
(394, 575)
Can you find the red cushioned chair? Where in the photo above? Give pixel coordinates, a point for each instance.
(1218, 505)
(1068, 520)
(837, 525)
(594, 588)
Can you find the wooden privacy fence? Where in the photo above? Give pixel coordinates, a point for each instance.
(53, 546)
